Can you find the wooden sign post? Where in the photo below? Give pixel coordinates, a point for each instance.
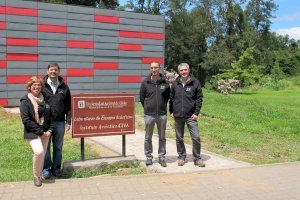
(102, 115)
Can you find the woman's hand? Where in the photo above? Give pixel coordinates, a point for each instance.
(46, 134)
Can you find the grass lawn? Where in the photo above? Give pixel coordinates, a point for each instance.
(258, 126)
(16, 154)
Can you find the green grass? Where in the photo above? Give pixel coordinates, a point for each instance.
(16, 154)
(258, 126)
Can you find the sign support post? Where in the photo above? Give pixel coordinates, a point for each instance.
(82, 149)
(124, 145)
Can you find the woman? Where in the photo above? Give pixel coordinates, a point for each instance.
(38, 125)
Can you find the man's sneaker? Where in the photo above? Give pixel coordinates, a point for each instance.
(199, 163)
(180, 162)
(46, 175)
(57, 173)
(149, 161)
(162, 162)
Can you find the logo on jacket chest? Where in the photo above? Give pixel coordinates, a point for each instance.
(162, 87)
(188, 89)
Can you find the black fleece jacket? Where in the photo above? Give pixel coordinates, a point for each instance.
(154, 96)
(32, 129)
(185, 101)
(60, 102)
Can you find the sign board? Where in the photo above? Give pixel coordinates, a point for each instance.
(102, 114)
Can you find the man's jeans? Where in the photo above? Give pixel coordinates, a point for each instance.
(161, 122)
(194, 132)
(57, 139)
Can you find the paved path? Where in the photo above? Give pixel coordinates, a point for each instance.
(135, 146)
(272, 182)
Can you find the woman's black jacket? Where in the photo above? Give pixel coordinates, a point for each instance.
(31, 128)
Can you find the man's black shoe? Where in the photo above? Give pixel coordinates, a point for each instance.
(162, 162)
(149, 161)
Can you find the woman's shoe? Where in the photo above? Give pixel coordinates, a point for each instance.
(37, 181)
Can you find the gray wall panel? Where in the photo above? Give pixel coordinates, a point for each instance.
(130, 60)
(21, 71)
(159, 24)
(44, 64)
(106, 79)
(79, 9)
(21, 26)
(19, 49)
(54, 7)
(21, 19)
(106, 52)
(85, 24)
(80, 86)
(2, 49)
(71, 58)
(83, 17)
(52, 14)
(80, 79)
(15, 102)
(107, 12)
(3, 88)
(88, 52)
(52, 36)
(130, 66)
(23, 4)
(131, 15)
(129, 85)
(107, 46)
(3, 94)
(107, 86)
(43, 71)
(105, 39)
(137, 22)
(152, 54)
(52, 58)
(21, 34)
(52, 50)
(103, 73)
(130, 72)
(99, 25)
(130, 54)
(153, 17)
(131, 28)
(2, 56)
(3, 78)
(153, 42)
(88, 31)
(2, 33)
(20, 64)
(80, 65)
(52, 43)
(18, 87)
(130, 40)
(80, 37)
(16, 94)
(52, 21)
(152, 29)
(106, 32)
(2, 71)
(153, 48)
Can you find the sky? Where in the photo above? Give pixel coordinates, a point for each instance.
(287, 20)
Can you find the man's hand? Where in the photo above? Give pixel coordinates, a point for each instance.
(171, 114)
(46, 134)
(194, 117)
(67, 127)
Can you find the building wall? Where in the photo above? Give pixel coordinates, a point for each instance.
(98, 50)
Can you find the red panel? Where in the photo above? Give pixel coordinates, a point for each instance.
(80, 44)
(21, 57)
(106, 19)
(130, 34)
(130, 79)
(106, 65)
(18, 78)
(2, 64)
(80, 72)
(130, 47)
(52, 28)
(148, 35)
(21, 42)
(148, 60)
(2, 9)
(3, 102)
(21, 11)
(2, 25)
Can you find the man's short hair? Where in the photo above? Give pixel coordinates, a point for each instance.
(53, 65)
(155, 62)
(183, 65)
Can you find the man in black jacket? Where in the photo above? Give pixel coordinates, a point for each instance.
(57, 94)
(185, 104)
(154, 96)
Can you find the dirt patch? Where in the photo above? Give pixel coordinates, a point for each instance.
(4, 115)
